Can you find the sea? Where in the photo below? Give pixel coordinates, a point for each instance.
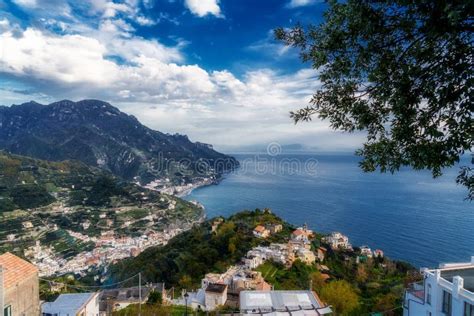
(409, 215)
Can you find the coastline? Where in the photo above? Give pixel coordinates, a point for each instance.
(181, 191)
(187, 191)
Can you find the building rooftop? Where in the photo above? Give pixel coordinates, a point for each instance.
(216, 288)
(298, 232)
(466, 273)
(15, 269)
(67, 304)
(125, 294)
(281, 302)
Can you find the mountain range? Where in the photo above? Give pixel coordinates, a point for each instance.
(100, 135)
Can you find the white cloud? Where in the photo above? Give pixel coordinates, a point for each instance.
(144, 21)
(271, 47)
(151, 81)
(109, 9)
(70, 58)
(215, 107)
(300, 3)
(82, 60)
(204, 7)
(26, 3)
(4, 25)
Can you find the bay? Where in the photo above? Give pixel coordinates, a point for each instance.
(409, 215)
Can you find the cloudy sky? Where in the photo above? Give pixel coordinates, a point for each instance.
(206, 68)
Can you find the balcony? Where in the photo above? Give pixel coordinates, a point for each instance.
(417, 290)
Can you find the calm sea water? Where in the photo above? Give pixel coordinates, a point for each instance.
(409, 215)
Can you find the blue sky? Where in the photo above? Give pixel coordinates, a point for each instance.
(207, 68)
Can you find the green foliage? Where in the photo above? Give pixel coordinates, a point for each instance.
(64, 244)
(376, 281)
(297, 277)
(102, 190)
(50, 290)
(341, 296)
(154, 298)
(159, 310)
(30, 196)
(402, 71)
(6, 204)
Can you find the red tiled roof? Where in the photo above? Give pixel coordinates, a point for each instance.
(15, 269)
(299, 232)
(259, 228)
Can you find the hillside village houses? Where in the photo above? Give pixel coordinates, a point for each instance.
(230, 288)
(108, 248)
(378, 253)
(366, 251)
(338, 241)
(264, 231)
(220, 289)
(261, 232)
(215, 224)
(302, 234)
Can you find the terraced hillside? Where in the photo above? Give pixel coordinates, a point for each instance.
(66, 208)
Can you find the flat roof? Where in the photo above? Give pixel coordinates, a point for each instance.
(216, 288)
(125, 294)
(279, 301)
(67, 304)
(466, 273)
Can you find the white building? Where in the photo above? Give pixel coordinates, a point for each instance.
(337, 241)
(306, 256)
(84, 304)
(253, 262)
(261, 232)
(446, 291)
(366, 251)
(215, 296)
(273, 303)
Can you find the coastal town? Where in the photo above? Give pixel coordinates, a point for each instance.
(167, 187)
(243, 287)
(224, 288)
(236, 158)
(108, 248)
(60, 239)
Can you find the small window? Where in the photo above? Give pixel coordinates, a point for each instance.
(428, 294)
(7, 311)
(447, 303)
(468, 309)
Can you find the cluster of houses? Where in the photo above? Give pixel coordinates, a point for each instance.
(238, 287)
(226, 288)
(19, 294)
(298, 247)
(446, 290)
(338, 241)
(108, 248)
(264, 231)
